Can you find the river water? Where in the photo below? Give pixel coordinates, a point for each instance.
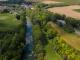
(28, 55)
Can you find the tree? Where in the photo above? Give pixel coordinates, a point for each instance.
(17, 17)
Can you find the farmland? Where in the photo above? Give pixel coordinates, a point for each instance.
(71, 2)
(67, 10)
(71, 39)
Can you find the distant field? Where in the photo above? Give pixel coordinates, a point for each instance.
(71, 39)
(67, 10)
(69, 1)
(8, 22)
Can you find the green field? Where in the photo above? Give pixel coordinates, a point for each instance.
(71, 39)
(69, 1)
(8, 22)
(50, 53)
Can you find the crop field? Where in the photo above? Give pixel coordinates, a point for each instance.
(65, 7)
(68, 1)
(71, 39)
(8, 22)
(67, 10)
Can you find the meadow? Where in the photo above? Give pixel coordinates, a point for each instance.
(69, 1)
(8, 22)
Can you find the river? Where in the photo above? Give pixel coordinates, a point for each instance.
(28, 55)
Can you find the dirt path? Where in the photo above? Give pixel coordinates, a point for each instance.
(67, 10)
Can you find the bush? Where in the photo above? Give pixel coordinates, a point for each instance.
(18, 17)
(5, 11)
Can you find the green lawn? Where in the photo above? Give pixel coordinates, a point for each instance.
(69, 1)
(50, 53)
(8, 21)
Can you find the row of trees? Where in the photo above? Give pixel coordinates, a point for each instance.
(71, 23)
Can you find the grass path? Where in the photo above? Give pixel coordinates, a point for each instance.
(71, 39)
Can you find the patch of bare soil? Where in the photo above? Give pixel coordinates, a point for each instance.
(67, 10)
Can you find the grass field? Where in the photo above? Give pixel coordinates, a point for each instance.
(71, 39)
(8, 22)
(51, 54)
(69, 1)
